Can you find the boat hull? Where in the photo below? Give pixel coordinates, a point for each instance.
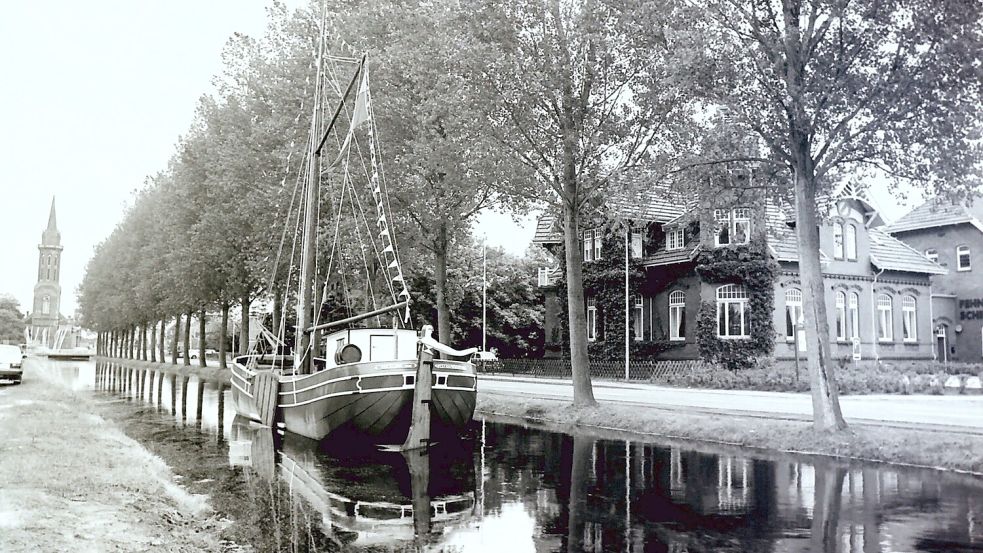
(374, 399)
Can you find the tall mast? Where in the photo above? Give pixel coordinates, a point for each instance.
(303, 360)
(306, 350)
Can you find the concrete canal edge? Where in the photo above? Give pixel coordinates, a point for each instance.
(71, 480)
(928, 449)
(925, 449)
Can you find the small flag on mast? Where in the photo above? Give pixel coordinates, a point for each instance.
(361, 114)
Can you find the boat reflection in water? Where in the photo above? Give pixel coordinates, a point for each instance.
(365, 496)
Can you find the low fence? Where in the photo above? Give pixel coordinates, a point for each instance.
(866, 377)
(650, 371)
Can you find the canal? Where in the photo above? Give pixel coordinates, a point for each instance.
(508, 487)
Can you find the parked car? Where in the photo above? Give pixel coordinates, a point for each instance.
(11, 360)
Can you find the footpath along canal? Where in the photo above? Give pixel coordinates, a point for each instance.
(506, 486)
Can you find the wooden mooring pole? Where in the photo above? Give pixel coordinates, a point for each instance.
(419, 433)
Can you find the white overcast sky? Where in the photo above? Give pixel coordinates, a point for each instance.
(93, 96)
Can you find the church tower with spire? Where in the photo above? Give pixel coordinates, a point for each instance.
(47, 292)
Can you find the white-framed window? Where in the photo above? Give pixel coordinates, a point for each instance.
(588, 245)
(909, 319)
(598, 237)
(742, 226)
(46, 305)
(733, 226)
(722, 217)
(676, 239)
(591, 319)
(851, 241)
(841, 316)
(885, 317)
(637, 250)
(638, 317)
(837, 240)
(853, 311)
(733, 317)
(932, 254)
(963, 262)
(793, 312)
(677, 315)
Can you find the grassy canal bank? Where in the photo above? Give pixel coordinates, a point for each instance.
(926, 449)
(920, 448)
(72, 481)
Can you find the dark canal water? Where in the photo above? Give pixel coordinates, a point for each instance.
(512, 488)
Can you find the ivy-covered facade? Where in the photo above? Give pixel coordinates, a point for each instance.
(718, 280)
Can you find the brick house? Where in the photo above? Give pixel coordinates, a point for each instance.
(952, 235)
(878, 297)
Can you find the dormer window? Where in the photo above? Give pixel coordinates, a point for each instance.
(637, 251)
(837, 240)
(733, 226)
(675, 239)
(851, 241)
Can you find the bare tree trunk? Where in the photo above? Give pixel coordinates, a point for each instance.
(224, 336)
(153, 342)
(133, 342)
(202, 362)
(583, 391)
(143, 342)
(187, 339)
(174, 338)
(244, 326)
(160, 344)
(825, 400)
(440, 285)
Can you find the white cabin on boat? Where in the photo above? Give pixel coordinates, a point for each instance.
(369, 344)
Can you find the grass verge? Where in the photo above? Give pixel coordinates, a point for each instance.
(924, 449)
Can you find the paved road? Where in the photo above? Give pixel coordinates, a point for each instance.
(956, 413)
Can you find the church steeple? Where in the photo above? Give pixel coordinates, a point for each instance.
(51, 236)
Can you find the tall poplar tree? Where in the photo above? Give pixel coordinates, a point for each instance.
(578, 91)
(833, 88)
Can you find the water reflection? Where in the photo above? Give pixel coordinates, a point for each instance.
(507, 487)
(369, 497)
(188, 399)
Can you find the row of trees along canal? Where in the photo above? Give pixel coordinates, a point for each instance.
(491, 103)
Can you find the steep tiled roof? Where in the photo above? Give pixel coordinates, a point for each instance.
(887, 252)
(547, 231)
(639, 198)
(937, 213)
(666, 257)
(784, 244)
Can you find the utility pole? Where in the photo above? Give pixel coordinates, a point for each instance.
(484, 294)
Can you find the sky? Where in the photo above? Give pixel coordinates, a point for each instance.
(93, 98)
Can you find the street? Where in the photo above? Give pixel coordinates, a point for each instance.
(949, 413)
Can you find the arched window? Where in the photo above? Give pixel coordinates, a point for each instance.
(854, 315)
(837, 240)
(851, 242)
(909, 319)
(841, 316)
(733, 320)
(677, 315)
(885, 316)
(793, 312)
(46, 305)
(963, 262)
